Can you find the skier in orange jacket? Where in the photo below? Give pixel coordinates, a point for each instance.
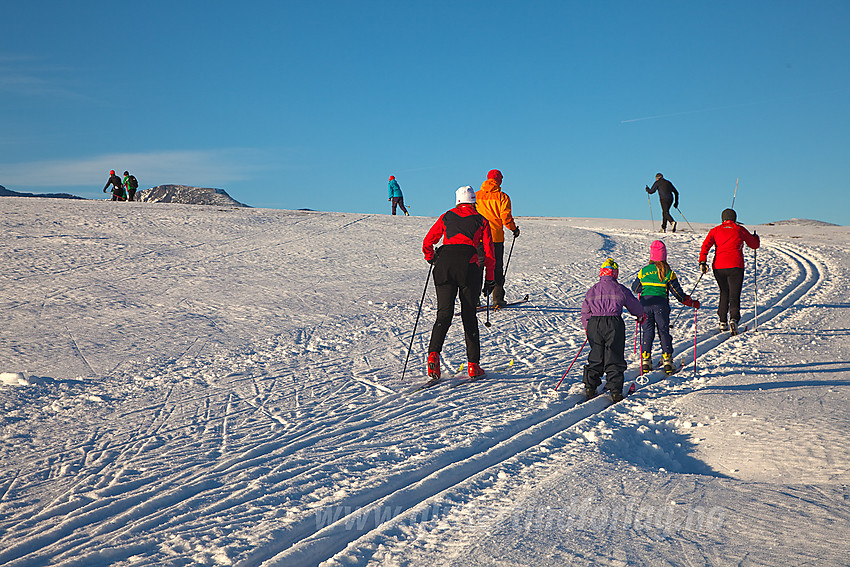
(495, 205)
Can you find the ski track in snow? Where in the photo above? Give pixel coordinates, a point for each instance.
(304, 447)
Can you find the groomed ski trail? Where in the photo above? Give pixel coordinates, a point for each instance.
(356, 526)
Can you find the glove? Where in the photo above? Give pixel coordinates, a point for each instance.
(516, 232)
(488, 286)
(104, 190)
(647, 188)
(432, 260)
(703, 267)
(676, 205)
(642, 319)
(691, 302)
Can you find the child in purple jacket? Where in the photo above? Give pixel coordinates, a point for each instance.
(601, 317)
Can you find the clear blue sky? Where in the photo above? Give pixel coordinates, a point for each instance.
(313, 104)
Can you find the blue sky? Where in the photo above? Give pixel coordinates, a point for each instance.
(313, 104)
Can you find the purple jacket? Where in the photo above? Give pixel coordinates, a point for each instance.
(607, 297)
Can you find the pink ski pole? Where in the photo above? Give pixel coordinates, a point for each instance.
(695, 342)
(571, 364)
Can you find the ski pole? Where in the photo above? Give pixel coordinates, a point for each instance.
(695, 341)
(735, 194)
(571, 364)
(487, 322)
(648, 200)
(756, 287)
(508, 263)
(418, 312)
(642, 380)
(673, 324)
(684, 217)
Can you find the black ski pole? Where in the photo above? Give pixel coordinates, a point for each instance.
(508, 263)
(684, 217)
(487, 322)
(418, 312)
(648, 200)
(673, 324)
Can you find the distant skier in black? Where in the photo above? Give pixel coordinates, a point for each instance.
(668, 195)
(117, 187)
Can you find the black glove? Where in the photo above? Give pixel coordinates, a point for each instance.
(647, 188)
(488, 287)
(676, 205)
(516, 232)
(104, 190)
(703, 267)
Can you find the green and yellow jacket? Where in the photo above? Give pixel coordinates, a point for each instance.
(648, 284)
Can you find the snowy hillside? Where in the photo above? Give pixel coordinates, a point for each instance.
(187, 195)
(190, 385)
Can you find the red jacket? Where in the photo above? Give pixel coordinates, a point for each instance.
(729, 238)
(463, 225)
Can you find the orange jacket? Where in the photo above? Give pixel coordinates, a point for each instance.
(495, 206)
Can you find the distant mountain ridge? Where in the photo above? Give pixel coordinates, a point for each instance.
(9, 193)
(188, 195)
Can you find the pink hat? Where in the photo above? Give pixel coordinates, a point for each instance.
(657, 252)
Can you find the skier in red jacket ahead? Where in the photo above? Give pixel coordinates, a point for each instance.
(728, 265)
(456, 270)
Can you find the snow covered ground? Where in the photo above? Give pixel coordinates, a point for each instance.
(207, 385)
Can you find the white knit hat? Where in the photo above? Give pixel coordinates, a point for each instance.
(465, 195)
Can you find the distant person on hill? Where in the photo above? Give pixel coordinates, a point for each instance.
(601, 317)
(130, 184)
(395, 195)
(495, 205)
(653, 285)
(117, 187)
(457, 270)
(668, 195)
(728, 266)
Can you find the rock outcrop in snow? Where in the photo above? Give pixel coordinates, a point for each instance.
(188, 196)
(9, 193)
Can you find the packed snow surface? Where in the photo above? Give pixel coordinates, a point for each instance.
(194, 385)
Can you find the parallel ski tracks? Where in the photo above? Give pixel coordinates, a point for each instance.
(186, 495)
(428, 485)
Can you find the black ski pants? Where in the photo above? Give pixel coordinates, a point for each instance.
(665, 213)
(455, 275)
(398, 202)
(730, 281)
(607, 338)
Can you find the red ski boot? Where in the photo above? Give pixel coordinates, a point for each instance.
(475, 371)
(434, 367)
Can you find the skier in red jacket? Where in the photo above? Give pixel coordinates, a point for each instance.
(456, 270)
(728, 265)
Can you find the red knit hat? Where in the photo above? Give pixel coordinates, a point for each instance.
(495, 174)
(392, 177)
